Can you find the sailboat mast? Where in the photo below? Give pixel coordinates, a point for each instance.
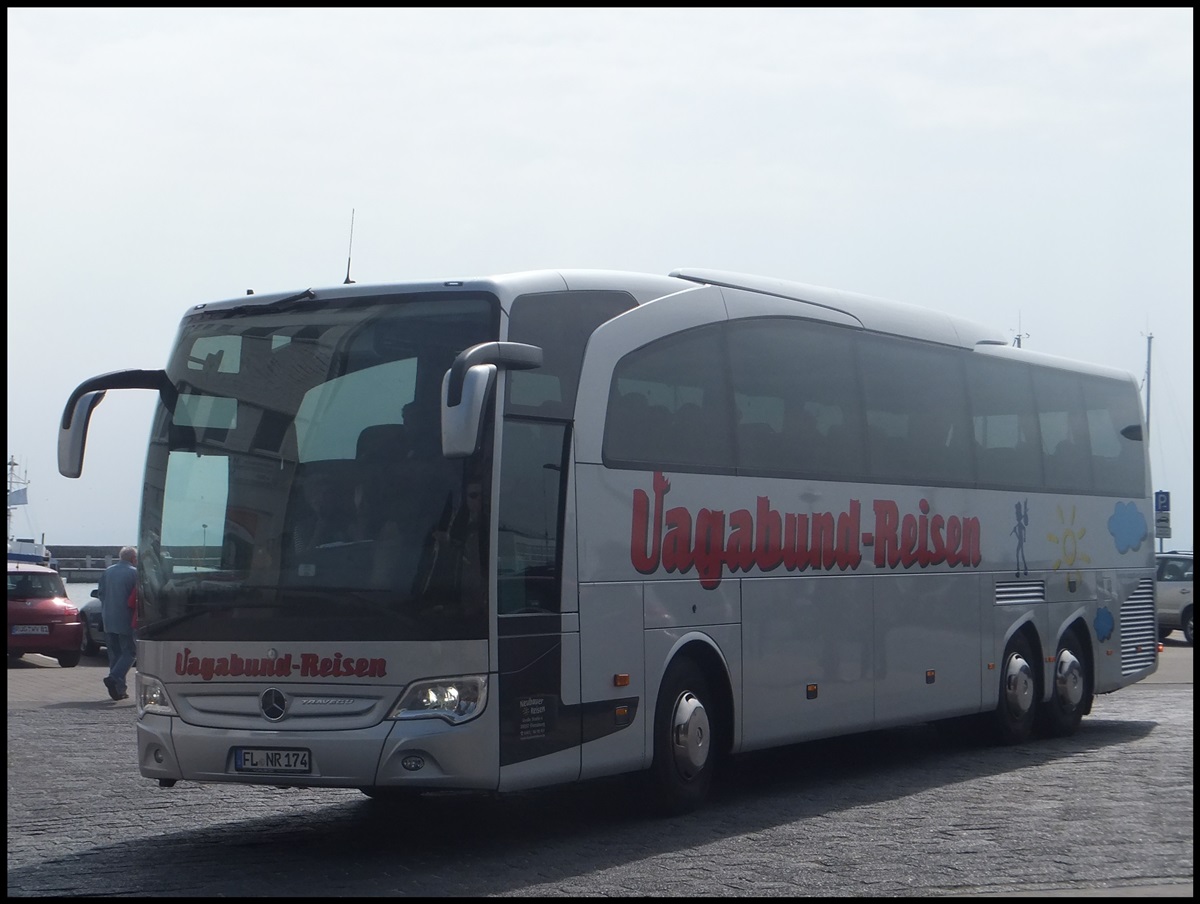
(1149, 339)
(12, 470)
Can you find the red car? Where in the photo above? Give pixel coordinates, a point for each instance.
(40, 617)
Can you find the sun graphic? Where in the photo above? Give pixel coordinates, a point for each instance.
(1070, 555)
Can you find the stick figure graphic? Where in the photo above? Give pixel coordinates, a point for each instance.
(1019, 530)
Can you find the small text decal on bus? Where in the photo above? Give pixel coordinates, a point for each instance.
(308, 665)
(765, 539)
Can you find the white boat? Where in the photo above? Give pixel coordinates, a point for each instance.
(24, 549)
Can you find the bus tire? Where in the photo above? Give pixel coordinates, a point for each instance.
(1017, 708)
(1071, 695)
(684, 755)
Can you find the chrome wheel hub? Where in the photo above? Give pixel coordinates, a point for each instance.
(1018, 685)
(690, 735)
(1068, 679)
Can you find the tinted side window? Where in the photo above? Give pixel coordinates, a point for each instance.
(1066, 445)
(559, 323)
(668, 405)
(916, 410)
(808, 399)
(1008, 443)
(1118, 466)
(797, 408)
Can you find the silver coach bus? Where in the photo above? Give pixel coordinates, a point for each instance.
(507, 532)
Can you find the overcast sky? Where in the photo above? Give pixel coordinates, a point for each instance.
(1031, 169)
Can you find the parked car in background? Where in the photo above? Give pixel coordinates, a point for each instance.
(93, 626)
(1173, 593)
(41, 619)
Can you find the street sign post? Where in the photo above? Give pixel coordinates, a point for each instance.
(1162, 525)
(1162, 515)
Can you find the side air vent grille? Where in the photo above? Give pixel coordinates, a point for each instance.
(1010, 592)
(1139, 630)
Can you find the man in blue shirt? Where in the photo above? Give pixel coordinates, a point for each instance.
(116, 584)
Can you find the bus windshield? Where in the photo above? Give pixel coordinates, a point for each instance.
(297, 490)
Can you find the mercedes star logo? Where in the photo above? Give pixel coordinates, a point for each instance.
(273, 703)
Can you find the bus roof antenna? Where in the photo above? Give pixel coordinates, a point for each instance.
(348, 281)
(1019, 335)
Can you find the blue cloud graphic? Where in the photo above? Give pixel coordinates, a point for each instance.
(1128, 526)
(1104, 624)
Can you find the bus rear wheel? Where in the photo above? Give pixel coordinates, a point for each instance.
(684, 756)
(1017, 707)
(1071, 696)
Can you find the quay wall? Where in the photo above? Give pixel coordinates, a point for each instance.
(85, 564)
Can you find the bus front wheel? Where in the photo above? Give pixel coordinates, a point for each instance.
(1017, 707)
(684, 756)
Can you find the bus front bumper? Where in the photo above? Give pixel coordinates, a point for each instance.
(418, 754)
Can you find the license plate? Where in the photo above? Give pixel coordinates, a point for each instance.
(263, 759)
(31, 629)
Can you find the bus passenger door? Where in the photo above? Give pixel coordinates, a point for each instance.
(537, 644)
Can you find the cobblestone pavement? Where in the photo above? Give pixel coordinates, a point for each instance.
(902, 813)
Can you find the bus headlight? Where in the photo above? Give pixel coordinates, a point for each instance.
(152, 697)
(459, 699)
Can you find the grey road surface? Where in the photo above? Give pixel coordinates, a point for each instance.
(902, 813)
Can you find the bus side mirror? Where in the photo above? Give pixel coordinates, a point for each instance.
(72, 429)
(467, 386)
(72, 438)
(461, 423)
